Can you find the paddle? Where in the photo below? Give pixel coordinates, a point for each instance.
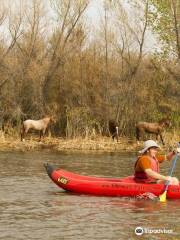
(162, 197)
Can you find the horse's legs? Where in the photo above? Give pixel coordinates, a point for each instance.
(22, 133)
(161, 138)
(117, 137)
(25, 132)
(137, 134)
(157, 134)
(40, 135)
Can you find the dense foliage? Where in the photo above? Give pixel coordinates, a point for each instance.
(56, 65)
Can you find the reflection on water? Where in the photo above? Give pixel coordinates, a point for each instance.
(32, 207)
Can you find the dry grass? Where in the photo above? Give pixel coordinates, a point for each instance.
(101, 143)
(8, 143)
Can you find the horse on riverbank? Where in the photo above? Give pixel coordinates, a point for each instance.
(39, 125)
(113, 129)
(155, 128)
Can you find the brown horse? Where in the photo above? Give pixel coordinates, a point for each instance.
(154, 128)
(113, 129)
(40, 125)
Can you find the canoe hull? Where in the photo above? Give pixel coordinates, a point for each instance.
(119, 187)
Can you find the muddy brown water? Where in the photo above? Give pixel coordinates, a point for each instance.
(33, 207)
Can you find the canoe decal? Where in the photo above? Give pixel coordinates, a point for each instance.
(62, 180)
(128, 187)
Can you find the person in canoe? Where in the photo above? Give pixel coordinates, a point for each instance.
(147, 165)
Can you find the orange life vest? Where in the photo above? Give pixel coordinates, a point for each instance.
(142, 176)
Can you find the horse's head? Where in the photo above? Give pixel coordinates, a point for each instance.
(165, 122)
(53, 119)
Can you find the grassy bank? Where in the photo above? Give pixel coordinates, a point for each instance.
(9, 143)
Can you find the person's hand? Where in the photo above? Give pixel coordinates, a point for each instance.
(171, 155)
(168, 178)
(178, 150)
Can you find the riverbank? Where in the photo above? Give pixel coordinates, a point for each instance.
(61, 144)
(79, 144)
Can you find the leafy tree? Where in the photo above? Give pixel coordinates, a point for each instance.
(165, 22)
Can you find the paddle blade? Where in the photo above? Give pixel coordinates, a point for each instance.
(162, 197)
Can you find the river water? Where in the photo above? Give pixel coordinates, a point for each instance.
(33, 207)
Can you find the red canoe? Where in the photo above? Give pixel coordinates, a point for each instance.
(122, 187)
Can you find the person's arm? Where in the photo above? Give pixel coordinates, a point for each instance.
(156, 175)
(170, 155)
(166, 157)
